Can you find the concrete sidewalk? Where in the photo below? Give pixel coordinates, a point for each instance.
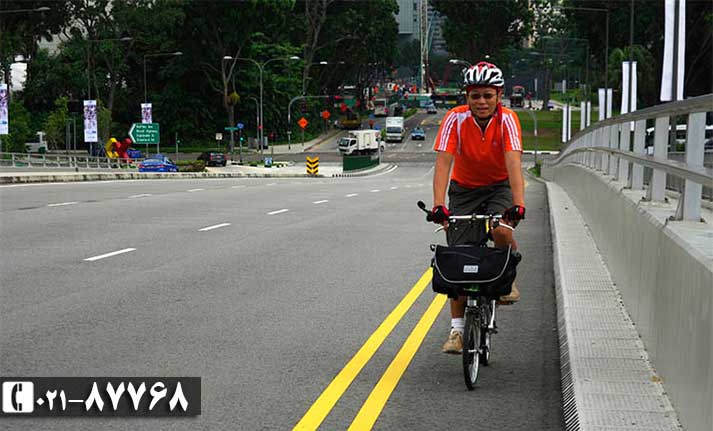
(608, 381)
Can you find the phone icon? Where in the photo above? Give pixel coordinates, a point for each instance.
(18, 397)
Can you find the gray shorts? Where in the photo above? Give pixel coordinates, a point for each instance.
(495, 198)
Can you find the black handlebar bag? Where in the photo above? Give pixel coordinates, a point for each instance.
(473, 270)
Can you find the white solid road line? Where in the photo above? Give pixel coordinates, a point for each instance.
(113, 253)
(213, 227)
(351, 195)
(143, 195)
(61, 204)
(320, 202)
(195, 190)
(284, 210)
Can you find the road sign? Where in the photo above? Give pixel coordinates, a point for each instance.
(145, 133)
(241, 126)
(303, 122)
(268, 162)
(312, 165)
(234, 129)
(325, 114)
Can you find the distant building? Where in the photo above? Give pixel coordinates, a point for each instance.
(409, 23)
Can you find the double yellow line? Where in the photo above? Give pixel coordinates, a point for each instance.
(378, 397)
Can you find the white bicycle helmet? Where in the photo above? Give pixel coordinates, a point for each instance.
(485, 74)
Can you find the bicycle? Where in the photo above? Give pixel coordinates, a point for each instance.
(482, 292)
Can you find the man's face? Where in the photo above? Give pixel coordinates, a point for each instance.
(482, 101)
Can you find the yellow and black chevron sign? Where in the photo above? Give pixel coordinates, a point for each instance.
(312, 165)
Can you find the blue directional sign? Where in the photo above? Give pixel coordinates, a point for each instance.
(377, 126)
(241, 126)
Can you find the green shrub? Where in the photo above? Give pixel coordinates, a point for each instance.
(191, 166)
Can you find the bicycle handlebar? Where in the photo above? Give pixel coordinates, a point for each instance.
(429, 215)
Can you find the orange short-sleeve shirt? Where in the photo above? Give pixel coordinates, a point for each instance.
(480, 156)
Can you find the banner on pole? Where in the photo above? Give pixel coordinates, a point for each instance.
(670, 41)
(90, 121)
(4, 115)
(610, 96)
(602, 110)
(582, 115)
(589, 114)
(146, 114)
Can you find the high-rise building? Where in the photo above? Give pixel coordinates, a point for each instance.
(409, 23)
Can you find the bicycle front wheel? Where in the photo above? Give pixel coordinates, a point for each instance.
(471, 347)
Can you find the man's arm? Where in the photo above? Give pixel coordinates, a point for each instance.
(517, 183)
(441, 176)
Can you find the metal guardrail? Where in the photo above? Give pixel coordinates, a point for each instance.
(612, 145)
(71, 161)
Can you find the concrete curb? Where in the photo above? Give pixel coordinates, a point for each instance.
(71, 177)
(381, 167)
(608, 381)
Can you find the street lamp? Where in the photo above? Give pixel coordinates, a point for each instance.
(586, 78)
(39, 9)
(261, 68)
(159, 54)
(606, 48)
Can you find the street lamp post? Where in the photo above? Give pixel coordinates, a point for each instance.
(261, 68)
(586, 76)
(159, 54)
(606, 49)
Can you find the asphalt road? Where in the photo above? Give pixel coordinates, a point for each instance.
(266, 306)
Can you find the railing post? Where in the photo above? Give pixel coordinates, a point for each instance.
(613, 143)
(637, 171)
(604, 137)
(625, 138)
(695, 137)
(657, 187)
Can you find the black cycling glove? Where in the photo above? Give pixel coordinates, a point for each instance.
(440, 214)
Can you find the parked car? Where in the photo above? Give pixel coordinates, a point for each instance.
(158, 163)
(418, 134)
(212, 158)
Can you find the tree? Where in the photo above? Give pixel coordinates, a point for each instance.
(19, 127)
(56, 124)
(475, 28)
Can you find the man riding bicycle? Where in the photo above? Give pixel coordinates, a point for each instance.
(479, 148)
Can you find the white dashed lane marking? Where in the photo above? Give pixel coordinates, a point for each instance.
(143, 195)
(205, 229)
(375, 191)
(62, 204)
(320, 202)
(284, 210)
(351, 195)
(195, 190)
(394, 188)
(113, 253)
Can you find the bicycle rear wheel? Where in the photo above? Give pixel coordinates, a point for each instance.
(471, 347)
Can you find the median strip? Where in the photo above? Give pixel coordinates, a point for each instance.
(205, 229)
(284, 210)
(329, 397)
(61, 204)
(113, 253)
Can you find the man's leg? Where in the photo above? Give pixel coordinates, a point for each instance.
(454, 344)
(503, 237)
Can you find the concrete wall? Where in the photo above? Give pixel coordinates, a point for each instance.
(665, 281)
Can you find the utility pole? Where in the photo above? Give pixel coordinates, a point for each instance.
(423, 35)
